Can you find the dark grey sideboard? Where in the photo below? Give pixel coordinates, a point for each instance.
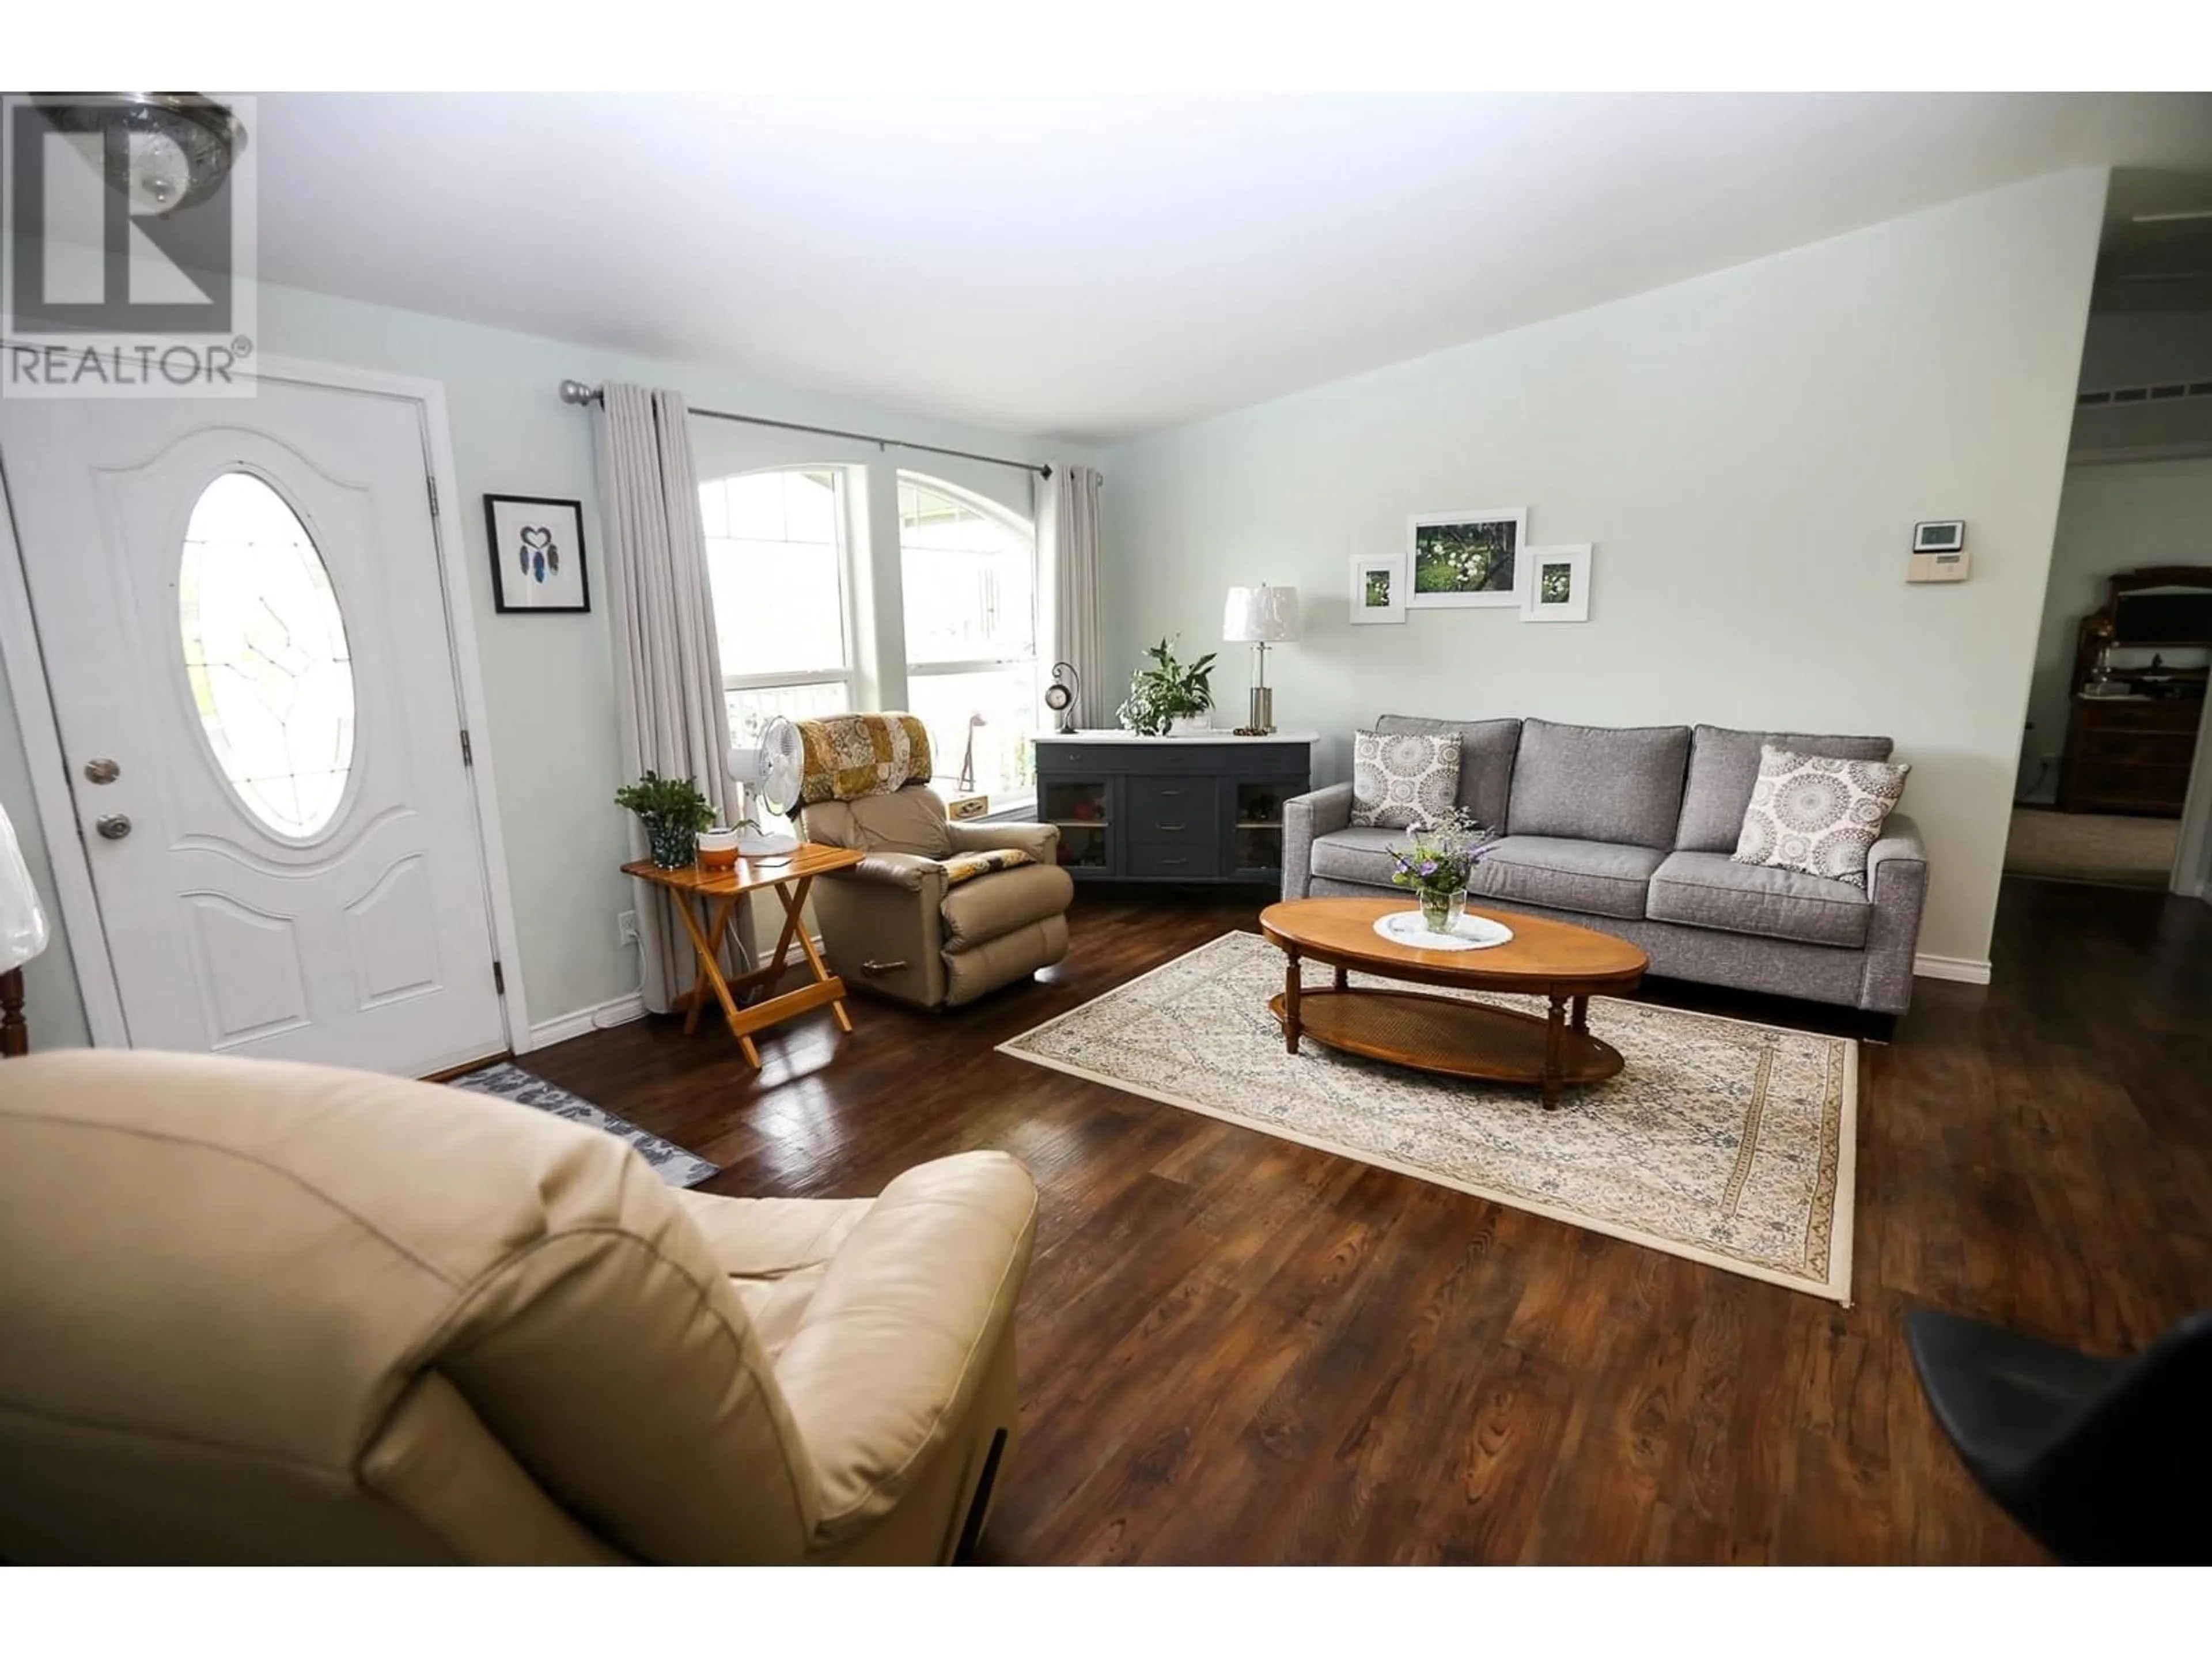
(1171, 809)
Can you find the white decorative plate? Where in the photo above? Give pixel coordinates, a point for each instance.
(1472, 934)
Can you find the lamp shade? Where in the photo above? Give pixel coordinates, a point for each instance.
(1260, 616)
(22, 924)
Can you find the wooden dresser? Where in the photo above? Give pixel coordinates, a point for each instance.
(1171, 810)
(2132, 752)
(2129, 755)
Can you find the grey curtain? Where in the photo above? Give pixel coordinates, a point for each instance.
(1067, 548)
(668, 671)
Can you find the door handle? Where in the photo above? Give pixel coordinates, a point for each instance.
(101, 771)
(113, 826)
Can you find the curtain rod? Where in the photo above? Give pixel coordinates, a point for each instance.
(575, 392)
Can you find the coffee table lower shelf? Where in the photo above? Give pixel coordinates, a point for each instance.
(1455, 1037)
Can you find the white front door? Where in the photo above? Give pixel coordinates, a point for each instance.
(245, 634)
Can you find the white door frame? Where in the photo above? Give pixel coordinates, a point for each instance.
(2189, 876)
(49, 768)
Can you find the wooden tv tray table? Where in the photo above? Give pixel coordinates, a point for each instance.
(791, 875)
(1555, 960)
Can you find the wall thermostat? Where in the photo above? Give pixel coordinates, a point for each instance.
(1939, 550)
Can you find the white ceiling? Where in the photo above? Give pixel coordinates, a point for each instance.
(1095, 267)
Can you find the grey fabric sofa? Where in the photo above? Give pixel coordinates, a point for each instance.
(1629, 831)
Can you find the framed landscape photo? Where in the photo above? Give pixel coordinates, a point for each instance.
(1558, 583)
(1467, 559)
(1378, 588)
(537, 553)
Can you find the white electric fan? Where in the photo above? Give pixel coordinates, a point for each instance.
(769, 768)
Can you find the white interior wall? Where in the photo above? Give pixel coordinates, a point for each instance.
(1748, 453)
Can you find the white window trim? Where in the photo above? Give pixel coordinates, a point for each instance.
(776, 681)
(970, 665)
(1013, 807)
(841, 488)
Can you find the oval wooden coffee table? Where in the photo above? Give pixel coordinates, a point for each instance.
(1565, 964)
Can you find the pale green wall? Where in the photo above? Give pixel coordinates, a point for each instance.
(2114, 517)
(548, 679)
(1748, 452)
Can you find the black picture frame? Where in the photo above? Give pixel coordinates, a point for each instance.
(503, 568)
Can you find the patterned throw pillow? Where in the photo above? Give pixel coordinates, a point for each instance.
(1817, 816)
(1404, 780)
(961, 866)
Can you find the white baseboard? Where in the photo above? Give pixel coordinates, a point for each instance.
(1965, 970)
(585, 1021)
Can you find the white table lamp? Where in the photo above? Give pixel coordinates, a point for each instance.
(1261, 616)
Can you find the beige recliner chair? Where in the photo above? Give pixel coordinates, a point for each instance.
(894, 924)
(255, 1312)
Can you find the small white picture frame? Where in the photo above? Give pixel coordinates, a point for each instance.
(1378, 588)
(1558, 583)
(1466, 560)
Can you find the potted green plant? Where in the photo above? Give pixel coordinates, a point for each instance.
(1167, 693)
(674, 813)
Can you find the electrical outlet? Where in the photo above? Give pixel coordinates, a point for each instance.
(626, 927)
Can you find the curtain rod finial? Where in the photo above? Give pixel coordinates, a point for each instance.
(575, 392)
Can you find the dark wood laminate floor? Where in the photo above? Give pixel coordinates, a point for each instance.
(1238, 1349)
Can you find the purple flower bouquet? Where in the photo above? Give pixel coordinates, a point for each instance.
(1438, 864)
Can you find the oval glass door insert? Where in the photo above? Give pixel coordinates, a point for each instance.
(265, 651)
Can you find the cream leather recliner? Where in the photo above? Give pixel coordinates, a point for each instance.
(895, 925)
(256, 1312)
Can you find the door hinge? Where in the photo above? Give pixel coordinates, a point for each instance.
(433, 484)
(468, 754)
(499, 978)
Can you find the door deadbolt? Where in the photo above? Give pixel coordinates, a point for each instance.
(103, 771)
(112, 825)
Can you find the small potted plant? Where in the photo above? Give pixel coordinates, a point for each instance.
(674, 813)
(1438, 864)
(1168, 696)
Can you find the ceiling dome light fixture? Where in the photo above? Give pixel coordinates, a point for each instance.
(163, 151)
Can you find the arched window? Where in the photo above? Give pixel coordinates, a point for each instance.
(775, 555)
(968, 570)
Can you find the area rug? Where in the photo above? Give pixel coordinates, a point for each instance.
(1727, 1143)
(2101, 848)
(675, 1166)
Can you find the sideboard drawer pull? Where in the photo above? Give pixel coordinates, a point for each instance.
(1171, 791)
(1173, 828)
(1172, 860)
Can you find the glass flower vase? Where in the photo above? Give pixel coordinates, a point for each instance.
(1441, 910)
